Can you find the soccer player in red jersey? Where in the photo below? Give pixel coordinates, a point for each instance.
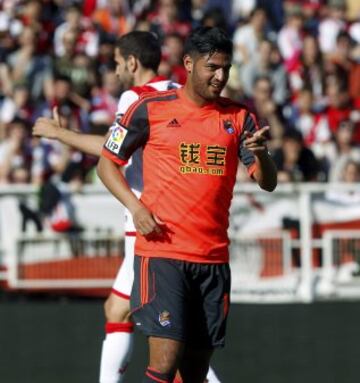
(192, 139)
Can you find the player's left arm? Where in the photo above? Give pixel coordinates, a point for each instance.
(265, 172)
(254, 155)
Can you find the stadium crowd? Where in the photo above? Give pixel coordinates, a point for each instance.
(296, 64)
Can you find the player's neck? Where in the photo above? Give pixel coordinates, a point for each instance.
(143, 77)
(193, 96)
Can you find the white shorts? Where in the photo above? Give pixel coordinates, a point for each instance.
(125, 276)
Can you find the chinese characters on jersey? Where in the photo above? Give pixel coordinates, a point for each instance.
(212, 161)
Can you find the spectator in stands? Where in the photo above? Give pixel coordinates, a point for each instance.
(331, 25)
(62, 62)
(214, 17)
(83, 77)
(354, 77)
(313, 125)
(105, 58)
(166, 19)
(339, 104)
(114, 17)
(263, 65)
(341, 149)
(56, 205)
(78, 67)
(309, 72)
(104, 100)
(32, 15)
(15, 154)
(71, 105)
(311, 17)
(10, 28)
(197, 11)
(223, 8)
(263, 105)
(17, 104)
(350, 173)
(346, 58)
(247, 37)
(87, 38)
(243, 8)
(294, 161)
(290, 39)
(354, 30)
(275, 11)
(339, 61)
(29, 67)
(71, 24)
(44, 161)
(171, 65)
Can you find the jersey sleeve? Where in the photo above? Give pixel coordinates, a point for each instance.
(246, 156)
(127, 134)
(127, 98)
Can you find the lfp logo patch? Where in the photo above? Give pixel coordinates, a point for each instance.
(164, 319)
(116, 138)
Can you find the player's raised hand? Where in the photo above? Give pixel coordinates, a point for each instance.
(147, 223)
(256, 142)
(56, 116)
(47, 127)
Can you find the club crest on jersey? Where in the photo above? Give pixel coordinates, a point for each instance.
(164, 319)
(228, 126)
(116, 138)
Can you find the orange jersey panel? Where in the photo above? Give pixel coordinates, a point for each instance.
(190, 161)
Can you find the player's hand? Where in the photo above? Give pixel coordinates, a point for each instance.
(47, 127)
(147, 223)
(256, 142)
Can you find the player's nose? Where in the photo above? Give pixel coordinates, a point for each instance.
(220, 74)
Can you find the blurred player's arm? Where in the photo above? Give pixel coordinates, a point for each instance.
(52, 128)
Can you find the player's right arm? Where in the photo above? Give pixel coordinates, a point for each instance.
(121, 142)
(52, 128)
(113, 178)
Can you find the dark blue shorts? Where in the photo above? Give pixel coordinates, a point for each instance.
(181, 300)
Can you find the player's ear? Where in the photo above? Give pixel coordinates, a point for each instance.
(188, 63)
(132, 63)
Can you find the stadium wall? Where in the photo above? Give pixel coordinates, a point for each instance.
(58, 340)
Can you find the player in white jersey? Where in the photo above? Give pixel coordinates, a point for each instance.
(137, 55)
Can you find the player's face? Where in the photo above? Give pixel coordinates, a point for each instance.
(210, 74)
(122, 70)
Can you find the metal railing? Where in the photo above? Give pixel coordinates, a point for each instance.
(271, 261)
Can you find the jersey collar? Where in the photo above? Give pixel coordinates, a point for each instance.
(157, 79)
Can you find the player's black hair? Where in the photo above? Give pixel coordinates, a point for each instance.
(62, 77)
(208, 40)
(144, 46)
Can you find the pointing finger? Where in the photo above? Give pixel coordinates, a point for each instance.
(56, 115)
(262, 131)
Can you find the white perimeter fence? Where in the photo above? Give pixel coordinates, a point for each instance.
(298, 244)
